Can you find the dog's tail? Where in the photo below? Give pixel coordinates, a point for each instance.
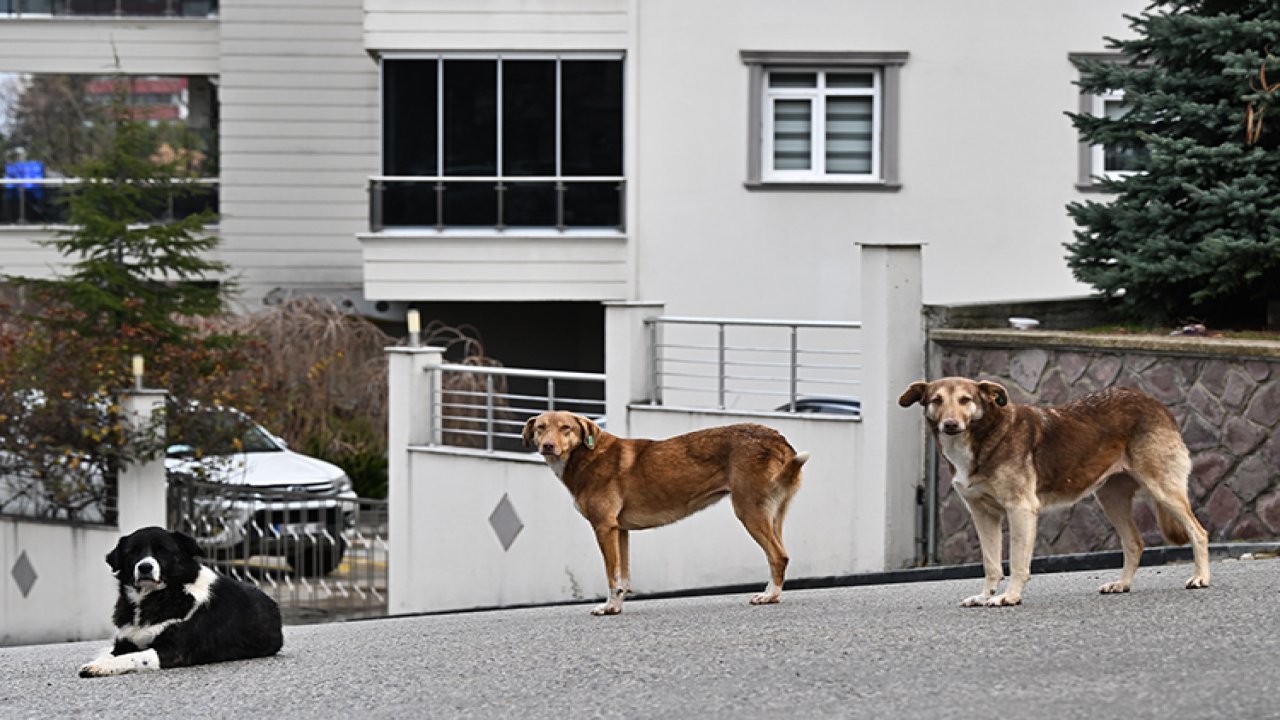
(789, 475)
(1170, 526)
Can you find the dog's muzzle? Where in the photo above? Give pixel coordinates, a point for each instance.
(951, 427)
(146, 573)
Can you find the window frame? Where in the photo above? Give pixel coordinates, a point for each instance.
(1098, 153)
(1091, 162)
(885, 67)
(500, 176)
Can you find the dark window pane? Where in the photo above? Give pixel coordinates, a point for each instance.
(529, 205)
(470, 117)
(409, 204)
(409, 117)
(529, 117)
(591, 121)
(592, 205)
(470, 204)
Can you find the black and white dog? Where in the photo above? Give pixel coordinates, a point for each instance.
(173, 611)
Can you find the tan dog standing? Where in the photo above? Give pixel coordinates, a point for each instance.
(1014, 460)
(620, 485)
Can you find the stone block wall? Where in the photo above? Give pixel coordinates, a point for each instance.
(1224, 394)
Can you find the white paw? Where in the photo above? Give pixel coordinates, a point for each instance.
(1114, 587)
(975, 601)
(766, 598)
(1198, 582)
(606, 609)
(1004, 600)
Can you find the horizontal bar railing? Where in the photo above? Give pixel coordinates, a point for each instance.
(792, 360)
(486, 407)
(108, 8)
(41, 201)
(445, 202)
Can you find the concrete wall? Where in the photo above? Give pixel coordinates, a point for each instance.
(855, 511)
(73, 592)
(1224, 394)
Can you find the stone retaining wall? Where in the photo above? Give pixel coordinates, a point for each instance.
(1225, 395)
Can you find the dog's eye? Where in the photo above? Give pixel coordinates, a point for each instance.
(965, 400)
(936, 401)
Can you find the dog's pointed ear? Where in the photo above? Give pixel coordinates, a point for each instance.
(590, 432)
(527, 435)
(915, 393)
(994, 392)
(187, 544)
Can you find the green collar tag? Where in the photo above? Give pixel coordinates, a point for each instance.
(591, 443)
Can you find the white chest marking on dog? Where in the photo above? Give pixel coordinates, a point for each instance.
(200, 590)
(956, 449)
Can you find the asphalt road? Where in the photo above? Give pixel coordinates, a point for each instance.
(891, 651)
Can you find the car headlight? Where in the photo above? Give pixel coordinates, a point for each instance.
(342, 484)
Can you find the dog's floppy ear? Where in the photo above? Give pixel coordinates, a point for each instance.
(527, 435)
(113, 557)
(187, 544)
(915, 393)
(994, 392)
(590, 431)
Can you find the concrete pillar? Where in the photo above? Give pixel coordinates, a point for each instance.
(412, 394)
(142, 490)
(893, 357)
(628, 366)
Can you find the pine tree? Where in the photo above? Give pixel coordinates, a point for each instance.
(1196, 231)
(132, 273)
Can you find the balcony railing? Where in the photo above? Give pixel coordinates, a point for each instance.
(746, 364)
(40, 201)
(108, 8)
(500, 203)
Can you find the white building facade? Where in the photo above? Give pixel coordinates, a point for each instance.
(721, 156)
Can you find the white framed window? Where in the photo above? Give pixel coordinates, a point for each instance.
(821, 125)
(1107, 161)
(823, 119)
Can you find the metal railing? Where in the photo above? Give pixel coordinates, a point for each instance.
(41, 201)
(109, 8)
(321, 556)
(486, 407)
(500, 203)
(778, 365)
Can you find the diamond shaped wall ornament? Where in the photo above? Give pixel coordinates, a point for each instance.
(24, 574)
(505, 522)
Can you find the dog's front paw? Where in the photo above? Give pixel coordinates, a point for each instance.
(975, 601)
(1005, 600)
(766, 598)
(1114, 587)
(94, 669)
(1197, 582)
(606, 609)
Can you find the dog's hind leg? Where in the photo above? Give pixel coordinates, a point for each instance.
(1116, 498)
(759, 518)
(624, 560)
(1162, 466)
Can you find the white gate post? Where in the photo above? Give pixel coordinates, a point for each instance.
(893, 357)
(628, 366)
(142, 488)
(412, 394)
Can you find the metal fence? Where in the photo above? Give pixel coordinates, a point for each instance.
(441, 202)
(486, 407)
(758, 365)
(43, 201)
(109, 8)
(322, 557)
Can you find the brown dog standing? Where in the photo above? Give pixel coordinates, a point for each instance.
(1013, 460)
(620, 485)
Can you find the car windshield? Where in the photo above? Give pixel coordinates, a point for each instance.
(225, 432)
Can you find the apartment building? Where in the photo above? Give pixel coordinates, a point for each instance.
(514, 164)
